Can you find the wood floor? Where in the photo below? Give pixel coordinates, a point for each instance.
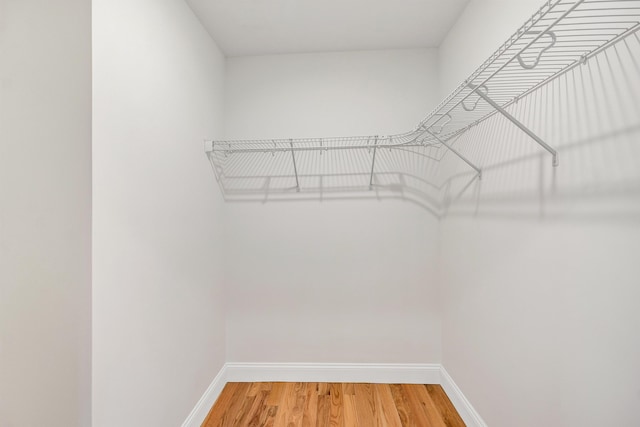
(332, 404)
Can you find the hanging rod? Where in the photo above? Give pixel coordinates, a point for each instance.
(559, 36)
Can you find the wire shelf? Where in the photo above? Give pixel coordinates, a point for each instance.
(558, 37)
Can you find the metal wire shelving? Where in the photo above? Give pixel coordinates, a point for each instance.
(561, 35)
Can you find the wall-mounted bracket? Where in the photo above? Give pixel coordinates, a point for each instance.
(295, 168)
(516, 122)
(457, 153)
(373, 162)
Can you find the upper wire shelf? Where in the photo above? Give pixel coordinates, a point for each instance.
(559, 36)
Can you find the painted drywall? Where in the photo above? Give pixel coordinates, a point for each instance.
(45, 213)
(538, 266)
(158, 331)
(322, 280)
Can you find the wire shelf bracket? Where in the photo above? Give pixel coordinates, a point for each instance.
(295, 168)
(516, 122)
(457, 153)
(373, 162)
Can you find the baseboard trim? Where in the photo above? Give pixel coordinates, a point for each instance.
(468, 413)
(202, 408)
(334, 372)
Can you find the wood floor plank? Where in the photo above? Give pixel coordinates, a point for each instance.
(350, 414)
(400, 401)
(336, 417)
(414, 403)
(323, 389)
(301, 398)
(275, 396)
(324, 406)
(238, 403)
(268, 417)
(430, 409)
(256, 388)
(365, 405)
(310, 411)
(292, 405)
(240, 418)
(283, 405)
(447, 411)
(347, 389)
(332, 405)
(384, 400)
(256, 410)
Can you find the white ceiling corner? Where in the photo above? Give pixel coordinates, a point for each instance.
(260, 27)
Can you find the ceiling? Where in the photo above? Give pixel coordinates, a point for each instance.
(258, 27)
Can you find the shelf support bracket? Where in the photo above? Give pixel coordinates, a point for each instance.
(373, 162)
(457, 153)
(516, 122)
(295, 168)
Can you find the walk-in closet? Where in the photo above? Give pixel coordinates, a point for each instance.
(333, 213)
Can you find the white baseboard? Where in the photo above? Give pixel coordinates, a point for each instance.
(334, 372)
(202, 408)
(467, 412)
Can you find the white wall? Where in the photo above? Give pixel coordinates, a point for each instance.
(330, 281)
(538, 266)
(329, 94)
(158, 335)
(45, 213)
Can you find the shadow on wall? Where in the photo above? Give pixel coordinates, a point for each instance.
(397, 173)
(590, 115)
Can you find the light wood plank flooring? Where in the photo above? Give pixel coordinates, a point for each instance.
(332, 404)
